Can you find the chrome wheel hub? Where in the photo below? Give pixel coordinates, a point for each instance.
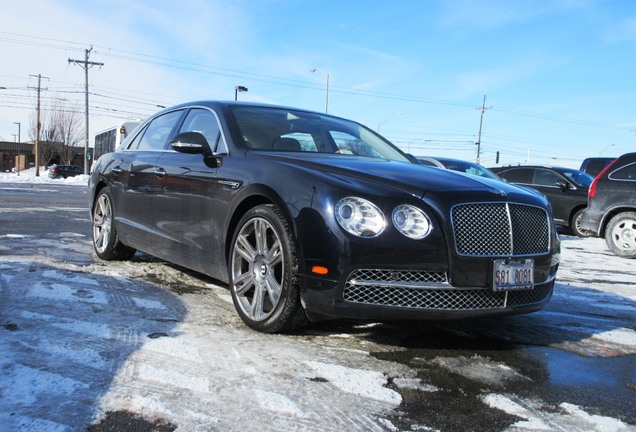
(624, 234)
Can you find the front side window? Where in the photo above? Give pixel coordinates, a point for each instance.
(579, 178)
(156, 135)
(204, 122)
(543, 177)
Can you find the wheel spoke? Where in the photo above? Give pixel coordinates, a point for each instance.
(245, 249)
(260, 232)
(256, 308)
(99, 240)
(273, 289)
(243, 283)
(274, 254)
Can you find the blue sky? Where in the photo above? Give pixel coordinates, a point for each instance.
(558, 75)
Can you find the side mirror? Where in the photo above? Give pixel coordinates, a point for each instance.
(413, 158)
(563, 185)
(191, 143)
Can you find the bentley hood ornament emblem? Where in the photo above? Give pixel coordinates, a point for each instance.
(498, 192)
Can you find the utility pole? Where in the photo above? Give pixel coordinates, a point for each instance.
(86, 64)
(37, 127)
(481, 118)
(19, 144)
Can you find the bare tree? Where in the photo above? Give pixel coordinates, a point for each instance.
(69, 130)
(60, 132)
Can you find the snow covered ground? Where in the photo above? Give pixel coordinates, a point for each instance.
(80, 338)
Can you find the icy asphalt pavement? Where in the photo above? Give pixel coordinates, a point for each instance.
(80, 339)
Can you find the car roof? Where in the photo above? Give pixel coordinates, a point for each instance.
(227, 104)
(554, 167)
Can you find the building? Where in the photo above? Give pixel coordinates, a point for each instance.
(22, 155)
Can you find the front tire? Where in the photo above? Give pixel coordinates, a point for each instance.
(263, 272)
(576, 225)
(105, 239)
(620, 235)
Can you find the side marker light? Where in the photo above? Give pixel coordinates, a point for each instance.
(320, 270)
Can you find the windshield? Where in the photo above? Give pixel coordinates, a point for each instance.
(468, 168)
(279, 129)
(579, 178)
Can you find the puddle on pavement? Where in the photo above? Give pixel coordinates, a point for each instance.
(457, 363)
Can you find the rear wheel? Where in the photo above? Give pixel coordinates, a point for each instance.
(105, 240)
(263, 272)
(620, 235)
(576, 225)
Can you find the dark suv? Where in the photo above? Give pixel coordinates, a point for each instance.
(611, 211)
(565, 188)
(64, 171)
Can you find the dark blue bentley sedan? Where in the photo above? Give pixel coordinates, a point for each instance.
(308, 216)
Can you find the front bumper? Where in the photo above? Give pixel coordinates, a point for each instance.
(422, 295)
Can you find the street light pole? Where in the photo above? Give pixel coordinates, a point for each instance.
(326, 75)
(239, 89)
(611, 145)
(390, 117)
(18, 123)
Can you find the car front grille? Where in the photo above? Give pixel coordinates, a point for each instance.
(487, 229)
(430, 290)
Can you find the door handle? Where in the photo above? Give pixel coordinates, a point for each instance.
(159, 172)
(116, 170)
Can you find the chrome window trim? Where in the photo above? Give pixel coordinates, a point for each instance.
(609, 176)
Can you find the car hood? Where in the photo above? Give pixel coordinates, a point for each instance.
(412, 178)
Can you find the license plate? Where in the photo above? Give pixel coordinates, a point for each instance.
(511, 275)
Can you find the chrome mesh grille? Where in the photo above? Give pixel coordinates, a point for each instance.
(383, 291)
(500, 229)
(396, 276)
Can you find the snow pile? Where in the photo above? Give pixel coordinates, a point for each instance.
(480, 369)
(538, 418)
(28, 176)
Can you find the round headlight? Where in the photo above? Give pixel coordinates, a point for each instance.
(360, 217)
(411, 222)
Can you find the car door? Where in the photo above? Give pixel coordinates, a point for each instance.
(183, 213)
(559, 191)
(135, 180)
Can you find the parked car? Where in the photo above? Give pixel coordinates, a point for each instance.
(463, 166)
(311, 216)
(611, 211)
(64, 171)
(594, 165)
(565, 188)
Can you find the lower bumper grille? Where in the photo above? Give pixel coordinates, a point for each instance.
(386, 290)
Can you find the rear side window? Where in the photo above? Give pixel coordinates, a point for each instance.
(520, 175)
(628, 173)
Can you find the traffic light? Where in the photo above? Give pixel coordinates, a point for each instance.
(497, 158)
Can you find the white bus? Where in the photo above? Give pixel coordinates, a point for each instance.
(108, 140)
